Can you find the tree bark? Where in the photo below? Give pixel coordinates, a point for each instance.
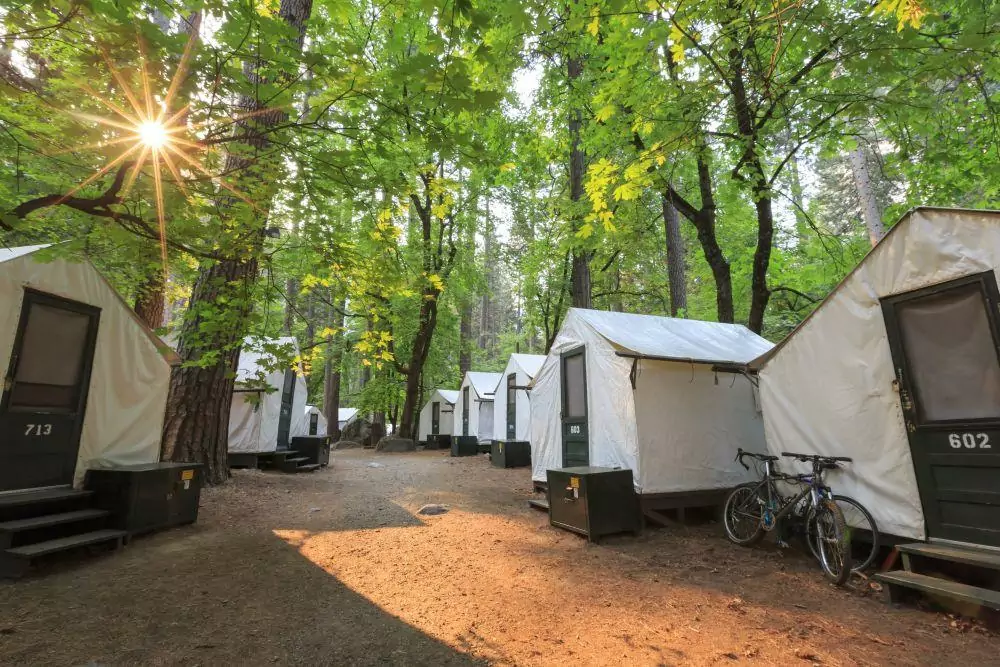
(760, 188)
(196, 423)
(870, 209)
(676, 273)
(704, 220)
(418, 356)
(331, 373)
(580, 276)
(150, 300)
(465, 341)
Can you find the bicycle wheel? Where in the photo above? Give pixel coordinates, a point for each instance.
(833, 541)
(863, 532)
(742, 515)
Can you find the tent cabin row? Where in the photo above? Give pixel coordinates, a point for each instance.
(87, 380)
(898, 368)
(663, 397)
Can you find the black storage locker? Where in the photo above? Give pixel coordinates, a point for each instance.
(510, 453)
(316, 448)
(147, 496)
(593, 501)
(439, 441)
(464, 445)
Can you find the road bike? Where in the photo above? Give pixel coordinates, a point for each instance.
(755, 508)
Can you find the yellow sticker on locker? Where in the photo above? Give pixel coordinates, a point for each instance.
(187, 474)
(574, 482)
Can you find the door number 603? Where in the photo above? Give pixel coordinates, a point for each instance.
(969, 441)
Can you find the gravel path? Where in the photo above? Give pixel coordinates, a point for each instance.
(337, 568)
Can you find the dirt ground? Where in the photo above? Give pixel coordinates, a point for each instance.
(336, 568)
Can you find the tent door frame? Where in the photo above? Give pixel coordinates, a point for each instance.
(313, 423)
(512, 406)
(947, 453)
(285, 414)
(576, 429)
(435, 417)
(39, 447)
(465, 410)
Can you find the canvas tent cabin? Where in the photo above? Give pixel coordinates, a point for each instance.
(315, 421)
(474, 408)
(660, 396)
(87, 380)
(268, 402)
(346, 416)
(511, 404)
(898, 369)
(437, 417)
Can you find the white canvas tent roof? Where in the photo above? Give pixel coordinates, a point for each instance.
(255, 415)
(481, 386)
(130, 377)
(346, 415)
(525, 367)
(446, 425)
(676, 428)
(828, 387)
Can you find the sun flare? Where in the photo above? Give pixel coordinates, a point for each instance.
(153, 134)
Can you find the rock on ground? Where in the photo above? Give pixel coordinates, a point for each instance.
(393, 444)
(346, 444)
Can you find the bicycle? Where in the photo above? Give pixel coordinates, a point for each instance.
(755, 508)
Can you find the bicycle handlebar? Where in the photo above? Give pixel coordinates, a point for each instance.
(740, 453)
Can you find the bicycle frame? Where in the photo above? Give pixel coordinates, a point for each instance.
(815, 490)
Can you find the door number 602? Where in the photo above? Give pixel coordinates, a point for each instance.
(969, 441)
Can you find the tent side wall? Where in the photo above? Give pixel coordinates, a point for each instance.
(689, 427)
(610, 404)
(426, 413)
(130, 378)
(829, 388)
(473, 408)
(300, 420)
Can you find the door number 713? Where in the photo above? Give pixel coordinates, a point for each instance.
(969, 441)
(38, 429)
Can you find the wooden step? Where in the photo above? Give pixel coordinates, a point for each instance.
(64, 543)
(539, 504)
(9, 500)
(934, 586)
(984, 558)
(297, 459)
(48, 520)
(306, 467)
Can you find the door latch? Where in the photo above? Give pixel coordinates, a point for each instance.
(904, 398)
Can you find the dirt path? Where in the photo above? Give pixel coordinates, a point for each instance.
(336, 568)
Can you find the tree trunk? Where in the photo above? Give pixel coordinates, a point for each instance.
(150, 300)
(291, 294)
(418, 356)
(759, 292)
(465, 342)
(196, 420)
(676, 273)
(331, 373)
(580, 277)
(196, 423)
(870, 209)
(760, 188)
